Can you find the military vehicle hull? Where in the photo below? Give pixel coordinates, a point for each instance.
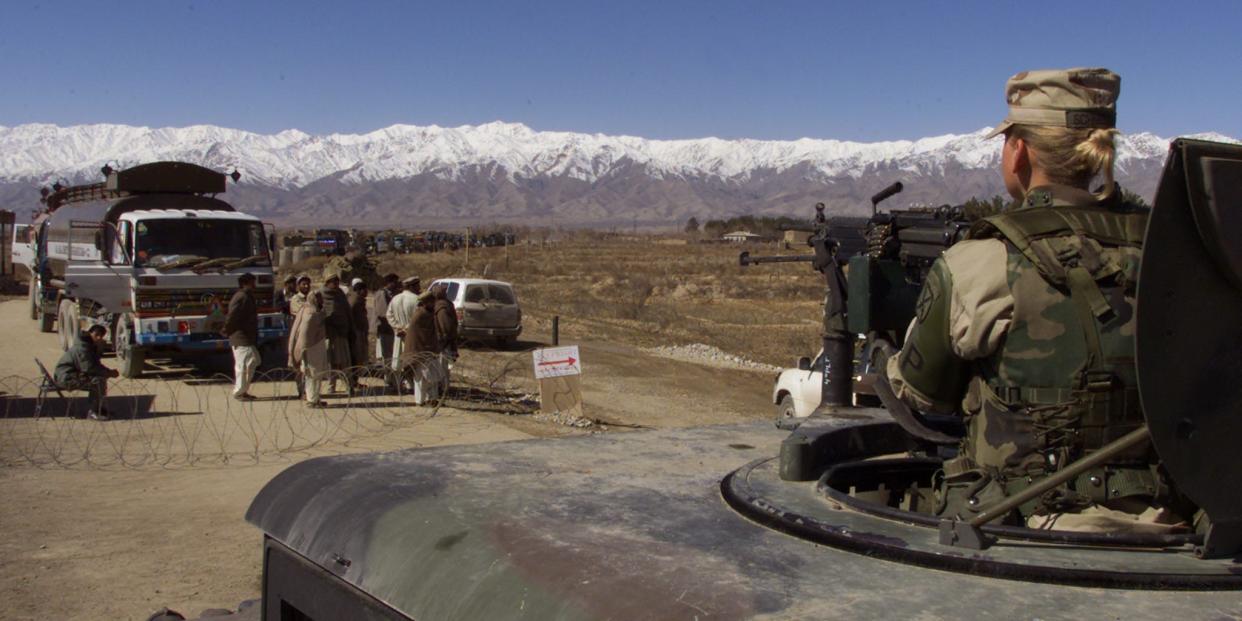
(623, 526)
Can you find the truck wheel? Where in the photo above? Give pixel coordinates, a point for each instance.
(785, 409)
(130, 356)
(67, 324)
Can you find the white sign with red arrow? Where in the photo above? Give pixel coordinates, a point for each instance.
(557, 362)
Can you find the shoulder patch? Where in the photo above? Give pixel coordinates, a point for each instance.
(928, 294)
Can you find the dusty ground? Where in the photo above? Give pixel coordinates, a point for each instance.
(113, 541)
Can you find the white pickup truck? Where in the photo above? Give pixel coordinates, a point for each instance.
(797, 390)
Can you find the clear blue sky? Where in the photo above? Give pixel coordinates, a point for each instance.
(862, 70)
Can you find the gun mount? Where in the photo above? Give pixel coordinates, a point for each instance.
(887, 257)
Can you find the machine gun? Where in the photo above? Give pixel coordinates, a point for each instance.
(887, 257)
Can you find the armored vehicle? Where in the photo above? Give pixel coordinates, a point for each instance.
(829, 521)
(153, 255)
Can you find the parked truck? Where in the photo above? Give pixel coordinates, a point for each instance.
(153, 255)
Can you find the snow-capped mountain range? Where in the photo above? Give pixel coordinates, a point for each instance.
(509, 172)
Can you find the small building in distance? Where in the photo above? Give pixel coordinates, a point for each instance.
(738, 237)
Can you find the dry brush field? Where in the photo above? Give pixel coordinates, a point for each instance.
(644, 291)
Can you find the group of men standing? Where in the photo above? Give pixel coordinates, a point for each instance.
(415, 334)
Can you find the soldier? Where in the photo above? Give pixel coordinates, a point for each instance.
(338, 326)
(1027, 327)
(241, 326)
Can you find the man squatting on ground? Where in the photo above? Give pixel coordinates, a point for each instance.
(80, 369)
(1027, 327)
(241, 326)
(308, 348)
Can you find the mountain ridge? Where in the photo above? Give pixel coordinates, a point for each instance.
(508, 172)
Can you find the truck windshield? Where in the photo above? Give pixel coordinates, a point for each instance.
(189, 241)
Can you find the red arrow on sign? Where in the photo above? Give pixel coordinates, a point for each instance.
(570, 360)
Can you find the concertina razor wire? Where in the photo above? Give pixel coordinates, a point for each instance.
(188, 420)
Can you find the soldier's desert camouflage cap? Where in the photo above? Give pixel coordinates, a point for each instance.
(331, 274)
(1077, 98)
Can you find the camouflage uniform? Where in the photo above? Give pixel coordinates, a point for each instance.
(1027, 329)
(1035, 346)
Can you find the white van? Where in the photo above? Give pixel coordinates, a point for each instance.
(486, 309)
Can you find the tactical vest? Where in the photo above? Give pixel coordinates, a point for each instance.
(1063, 382)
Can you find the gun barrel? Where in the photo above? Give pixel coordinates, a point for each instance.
(938, 236)
(885, 193)
(745, 259)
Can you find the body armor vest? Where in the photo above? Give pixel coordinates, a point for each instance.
(1063, 382)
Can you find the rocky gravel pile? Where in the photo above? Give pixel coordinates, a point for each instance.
(564, 418)
(710, 355)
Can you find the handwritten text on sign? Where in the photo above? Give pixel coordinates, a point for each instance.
(557, 362)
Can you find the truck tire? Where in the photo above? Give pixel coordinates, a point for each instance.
(67, 324)
(130, 357)
(785, 409)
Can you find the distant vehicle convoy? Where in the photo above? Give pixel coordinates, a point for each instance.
(154, 256)
(486, 309)
(329, 242)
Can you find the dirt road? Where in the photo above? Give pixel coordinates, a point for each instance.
(155, 517)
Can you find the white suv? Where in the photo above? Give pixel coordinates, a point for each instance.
(486, 309)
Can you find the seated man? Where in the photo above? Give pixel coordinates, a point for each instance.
(80, 369)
